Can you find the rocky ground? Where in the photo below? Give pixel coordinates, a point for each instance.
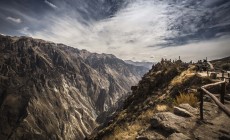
(184, 124)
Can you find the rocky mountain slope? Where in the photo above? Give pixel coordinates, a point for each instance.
(158, 108)
(52, 91)
(222, 64)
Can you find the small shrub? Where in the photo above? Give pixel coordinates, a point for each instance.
(225, 66)
(168, 101)
(189, 98)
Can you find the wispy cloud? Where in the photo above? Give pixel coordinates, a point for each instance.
(135, 26)
(213, 49)
(25, 31)
(133, 29)
(15, 20)
(146, 30)
(50, 4)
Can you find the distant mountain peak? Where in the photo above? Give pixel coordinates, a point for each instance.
(140, 63)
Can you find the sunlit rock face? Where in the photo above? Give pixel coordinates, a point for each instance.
(52, 91)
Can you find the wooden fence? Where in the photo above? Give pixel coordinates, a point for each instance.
(203, 90)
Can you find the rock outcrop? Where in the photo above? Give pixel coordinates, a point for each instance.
(170, 123)
(178, 136)
(52, 91)
(181, 112)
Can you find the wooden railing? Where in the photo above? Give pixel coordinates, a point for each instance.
(203, 90)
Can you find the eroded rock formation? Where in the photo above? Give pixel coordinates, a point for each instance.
(52, 91)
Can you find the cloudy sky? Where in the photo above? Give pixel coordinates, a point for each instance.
(140, 30)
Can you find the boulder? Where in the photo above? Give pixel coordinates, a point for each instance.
(169, 122)
(178, 136)
(181, 112)
(189, 108)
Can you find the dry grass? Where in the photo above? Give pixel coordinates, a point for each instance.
(129, 130)
(189, 98)
(161, 108)
(122, 115)
(125, 132)
(183, 77)
(145, 116)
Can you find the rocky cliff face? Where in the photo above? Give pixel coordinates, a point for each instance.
(52, 91)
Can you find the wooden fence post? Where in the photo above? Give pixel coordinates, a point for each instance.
(229, 77)
(222, 75)
(201, 104)
(222, 93)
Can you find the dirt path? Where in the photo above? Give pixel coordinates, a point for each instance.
(216, 124)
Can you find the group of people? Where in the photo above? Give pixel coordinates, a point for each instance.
(202, 65)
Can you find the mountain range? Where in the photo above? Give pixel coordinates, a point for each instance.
(53, 91)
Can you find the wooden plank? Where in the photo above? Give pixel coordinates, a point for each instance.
(213, 84)
(222, 107)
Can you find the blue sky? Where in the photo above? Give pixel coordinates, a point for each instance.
(142, 30)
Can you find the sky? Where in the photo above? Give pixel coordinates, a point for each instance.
(139, 30)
